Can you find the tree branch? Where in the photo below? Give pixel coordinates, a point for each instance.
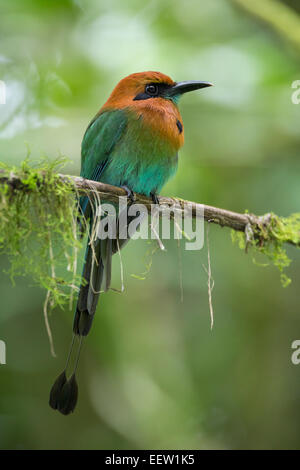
(266, 228)
(250, 224)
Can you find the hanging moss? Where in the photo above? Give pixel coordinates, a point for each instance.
(38, 229)
(269, 237)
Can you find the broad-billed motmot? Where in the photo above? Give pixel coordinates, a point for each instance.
(132, 142)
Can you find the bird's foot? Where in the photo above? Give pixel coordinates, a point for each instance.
(130, 194)
(154, 198)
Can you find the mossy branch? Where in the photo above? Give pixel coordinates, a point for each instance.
(38, 224)
(262, 228)
(267, 233)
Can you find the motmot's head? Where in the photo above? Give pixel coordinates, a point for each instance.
(153, 97)
(153, 89)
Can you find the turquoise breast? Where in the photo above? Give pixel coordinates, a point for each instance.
(142, 161)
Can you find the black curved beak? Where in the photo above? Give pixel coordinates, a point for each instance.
(183, 87)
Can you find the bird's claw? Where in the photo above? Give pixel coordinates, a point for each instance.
(130, 194)
(154, 198)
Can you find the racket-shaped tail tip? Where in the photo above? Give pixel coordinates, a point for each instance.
(64, 394)
(56, 390)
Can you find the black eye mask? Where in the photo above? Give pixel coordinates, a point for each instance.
(153, 90)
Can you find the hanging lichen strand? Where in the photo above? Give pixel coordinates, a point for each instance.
(38, 228)
(270, 238)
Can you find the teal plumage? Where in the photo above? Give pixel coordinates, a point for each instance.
(132, 142)
(135, 158)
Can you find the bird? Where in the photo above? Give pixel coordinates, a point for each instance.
(132, 142)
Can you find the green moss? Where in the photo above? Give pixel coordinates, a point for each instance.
(270, 237)
(38, 229)
(39, 233)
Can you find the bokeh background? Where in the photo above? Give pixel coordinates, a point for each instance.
(153, 374)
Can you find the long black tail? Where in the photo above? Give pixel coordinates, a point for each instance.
(97, 271)
(96, 278)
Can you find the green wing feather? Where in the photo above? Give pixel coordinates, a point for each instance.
(100, 138)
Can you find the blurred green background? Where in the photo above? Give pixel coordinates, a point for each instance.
(153, 374)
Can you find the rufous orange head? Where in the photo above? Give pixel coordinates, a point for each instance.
(147, 89)
(154, 97)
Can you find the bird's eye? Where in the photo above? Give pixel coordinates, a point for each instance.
(152, 89)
